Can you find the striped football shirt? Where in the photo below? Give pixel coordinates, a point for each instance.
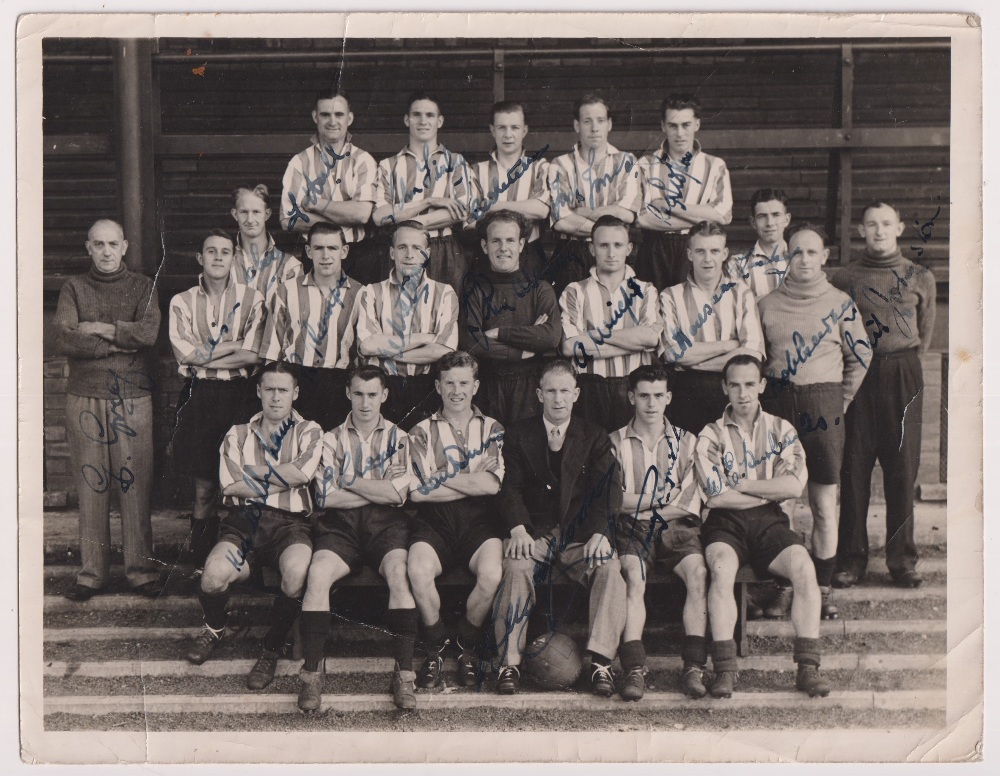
(298, 442)
(310, 326)
(664, 474)
(762, 270)
(197, 327)
(405, 178)
(440, 451)
(668, 185)
(348, 456)
(590, 306)
(396, 311)
(577, 180)
(319, 177)
(267, 272)
(492, 185)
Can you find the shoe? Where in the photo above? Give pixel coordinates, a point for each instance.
(429, 675)
(693, 681)
(844, 579)
(78, 592)
(509, 680)
(401, 687)
(907, 579)
(781, 606)
(468, 669)
(203, 645)
(810, 681)
(634, 684)
(151, 589)
(722, 686)
(310, 689)
(262, 673)
(828, 609)
(754, 612)
(601, 681)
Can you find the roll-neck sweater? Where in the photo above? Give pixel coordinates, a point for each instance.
(123, 298)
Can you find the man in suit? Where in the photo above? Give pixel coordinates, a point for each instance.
(560, 496)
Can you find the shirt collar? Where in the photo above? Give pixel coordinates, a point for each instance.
(347, 146)
(722, 279)
(309, 279)
(664, 155)
(585, 161)
(349, 424)
(629, 273)
(270, 244)
(729, 420)
(407, 152)
(395, 281)
(258, 419)
(562, 426)
(758, 251)
(439, 417)
(493, 156)
(201, 282)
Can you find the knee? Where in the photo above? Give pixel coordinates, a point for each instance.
(802, 572)
(215, 579)
(489, 577)
(396, 575)
(420, 572)
(518, 573)
(697, 580)
(293, 580)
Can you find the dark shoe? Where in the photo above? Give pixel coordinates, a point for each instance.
(907, 579)
(468, 669)
(601, 681)
(828, 609)
(722, 686)
(203, 645)
(262, 673)
(151, 589)
(844, 579)
(401, 687)
(509, 680)
(310, 689)
(634, 684)
(693, 681)
(781, 606)
(810, 681)
(429, 675)
(78, 592)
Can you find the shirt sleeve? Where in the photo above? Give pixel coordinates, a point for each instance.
(536, 339)
(327, 479)
(398, 471)
(539, 182)
(792, 459)
(423, 463)
(571, 305)
(70, 341)
(309, 435)
(384, 194)
(719, 193)
(276, 328)
(713, 473)
(446, 319)
(462, 188)
(630, 184)
(852, 329)
(686, 494)
(293, 193)
(369, 324)
(230, 460)
(365, 177)
(254, 325)
(562, 195)
(183, 341)
(649, 308)
(926, 307)
(493, 454)
(142, 330)
(749, 331)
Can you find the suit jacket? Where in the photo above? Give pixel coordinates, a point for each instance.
(589, 484)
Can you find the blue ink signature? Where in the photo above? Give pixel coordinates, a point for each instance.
(432, 174)
(744, 267)
(314, 187)
(803, 352)
(457, 465)
(924, 232)
(731, 475)
(254, 507)
(349, 467)
(205, 351)
(412, 291)
(319, 334)
(580, 356)
(681, 339)
(481, 206)
(594, 184)
(673, 194)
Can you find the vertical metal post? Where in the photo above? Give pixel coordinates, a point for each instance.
(943, 433)
(498, 74)
(846, 169)
(133, 69)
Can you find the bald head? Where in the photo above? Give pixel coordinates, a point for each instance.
(106, 245)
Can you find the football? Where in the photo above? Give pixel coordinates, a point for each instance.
(554, 661)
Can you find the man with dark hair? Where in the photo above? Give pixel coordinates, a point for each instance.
(682, 186)
(427, 183)
(333, 182)
(896, 299)
(311, 324)
(559, 500)
(459, 467)
(106, 323)
(763, 267)
(258, 261)
(508, 321)
(746, 462)
(361, 484)
(216, 329)
(593, 180)
(265, 471)
(707, 320)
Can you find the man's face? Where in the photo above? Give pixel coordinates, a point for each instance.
(770, 220)
(332, 118)
(557, 392)
(106, 245)
(881, 228)
(216, 257)
(409, 252)
(680, 127)
(593, 126)
(424, 120)
(509, 131)
(327, 251)
(707, 253)
(743, 385)
(457, 387)
(277, 391)
(503, 246)
(367, 397)
(610, 247)
(650, 399)
(807, 256)
(251, 214)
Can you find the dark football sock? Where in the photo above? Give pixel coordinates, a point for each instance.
(632, 654)
(470, 637)
(435, 637)
(214, 606)
(599, 660)
(695, 650)
(284, 610)
(315, 627)
(724, 655)
(824, 570)
(402, 623)
(806, 651)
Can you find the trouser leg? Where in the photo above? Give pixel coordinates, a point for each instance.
(86, 430)
(136, 454)
(860, 447)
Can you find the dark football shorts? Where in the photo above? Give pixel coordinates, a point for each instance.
(665, 545)
(362, 535)
(758, 535)
(803, 406)
(455, 529)
(264, 533)
(207, 409)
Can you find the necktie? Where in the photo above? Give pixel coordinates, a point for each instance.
(555, 440)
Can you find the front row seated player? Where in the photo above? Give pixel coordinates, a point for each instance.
(747, 462)
(265, 471)
(660, 520)
(459, 469)
(361, 486)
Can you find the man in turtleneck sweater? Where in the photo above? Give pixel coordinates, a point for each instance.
(106, 322)
(508, 321)
(812, 378)
(896, 299)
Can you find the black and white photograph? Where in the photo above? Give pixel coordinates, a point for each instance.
(395, 387)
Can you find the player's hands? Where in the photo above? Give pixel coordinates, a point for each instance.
(597, 551)
(456, 210)
(543, 318)
(521, 544)
(116, 349)
(492, 334)
(102, 330)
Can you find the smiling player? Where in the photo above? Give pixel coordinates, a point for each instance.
(258, 261)
(763, 267)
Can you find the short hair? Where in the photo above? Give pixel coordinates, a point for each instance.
(508, 106)
(766, 195)
(420, 95)
(278, 368)
(680, 102)
(877, 204)
(260, 190)
(411, 224)
(217, 233)
(557, 366)
(590, 99)
(503, 217)
(608, 221)
(325, 227)
(794, 229)
(706, 229)
(743, 359)
(456, 359)
(367, 372)
(648, 373)
(332, 93)
(111, 221)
